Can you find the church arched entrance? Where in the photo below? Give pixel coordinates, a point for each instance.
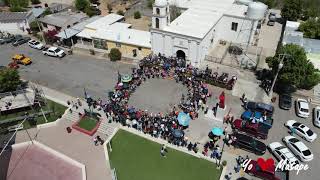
(181, 54)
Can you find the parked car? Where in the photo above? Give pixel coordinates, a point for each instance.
(258, 130)
(298, 148)
(285, 101)
(249, 143)
(257, 117)
(21, 40)
(283, 153)
(316, 116)
(260, 107)
(7, 40)
(35, 44)
(257, 171)
(21, 59)
(53, 51)
(302, 130)
(302, 108)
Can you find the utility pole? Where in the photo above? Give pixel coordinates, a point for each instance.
(280, 66)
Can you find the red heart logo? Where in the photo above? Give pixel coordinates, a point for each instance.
(264, 165)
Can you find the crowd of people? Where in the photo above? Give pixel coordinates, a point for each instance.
(159, 124)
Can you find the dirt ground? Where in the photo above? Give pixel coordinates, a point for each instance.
(116, 6)
(140, 24)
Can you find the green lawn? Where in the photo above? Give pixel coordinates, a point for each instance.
(87, 123)
(57, 109)
(136, 158)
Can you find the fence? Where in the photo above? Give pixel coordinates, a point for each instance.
(245, 57)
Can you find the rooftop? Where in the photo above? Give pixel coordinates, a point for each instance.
(37, 11)
(10, 17)
(64, 18)
(105, 21)
(69, 32)
(202, 15)
(109, 28)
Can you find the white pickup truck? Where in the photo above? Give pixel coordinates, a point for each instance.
(53, 51)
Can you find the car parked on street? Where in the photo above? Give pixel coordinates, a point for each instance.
(260, 107)
(249, 143)
(255, 170)
(302, 130)
(285, 101)
(283, 153)
(53, 51)
(316, 116)
(21, 59)
(257, 117)
(302, 108)
(7, 40)
(35, 44)
(258, 130)
(298, 148)
(20, 40)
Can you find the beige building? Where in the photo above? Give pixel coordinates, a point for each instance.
(110, 32)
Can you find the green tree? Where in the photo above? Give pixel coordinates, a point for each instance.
(120, 12)
(269, 3)
(115, 54)
(137, 15)
(90, 11)
(174, 12)
(291, 10)
(150, 4)
(81, 5)
(297, 70)
(9, 80)
(47, 12)
(311, 28)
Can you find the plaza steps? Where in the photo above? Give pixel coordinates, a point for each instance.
(73, 117)
(106, 128)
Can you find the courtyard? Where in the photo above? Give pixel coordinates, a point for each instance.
(136, 158)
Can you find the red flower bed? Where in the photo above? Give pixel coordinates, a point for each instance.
(90, 133)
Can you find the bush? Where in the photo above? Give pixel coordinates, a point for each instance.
(109, 6)
(35, 1)
(47, 12)
(120, 12)
(17, 9)
(137, 15)
(115, 54)
(9, 80)
(81, 5)
(224, 163)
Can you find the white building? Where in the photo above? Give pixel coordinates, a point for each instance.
(15, 22)
(202, 25)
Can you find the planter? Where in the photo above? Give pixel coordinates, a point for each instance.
(88, 132)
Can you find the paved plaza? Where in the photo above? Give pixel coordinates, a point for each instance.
(157, 95)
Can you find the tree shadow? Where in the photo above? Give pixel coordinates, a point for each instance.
(6, 155)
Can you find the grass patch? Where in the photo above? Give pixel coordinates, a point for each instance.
(87, 123)
(136, 158)
(57, 110)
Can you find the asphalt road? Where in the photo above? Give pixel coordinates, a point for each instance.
(70, 74)
(73, 73)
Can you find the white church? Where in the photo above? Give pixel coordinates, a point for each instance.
(202, 25)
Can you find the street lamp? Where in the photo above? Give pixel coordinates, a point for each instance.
(280, 66)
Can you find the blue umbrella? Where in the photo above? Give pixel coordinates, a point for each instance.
(177, 133)
(184, 119)
(217, 131)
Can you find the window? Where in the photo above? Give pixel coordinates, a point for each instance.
(157, 23)
(100, 44)
(118, 44)
(158, 11)
(234, 26)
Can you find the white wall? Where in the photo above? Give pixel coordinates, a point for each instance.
(14, 28)
(224, 32)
